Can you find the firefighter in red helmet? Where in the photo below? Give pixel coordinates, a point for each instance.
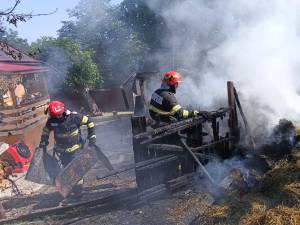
(164, 106)
(67, 134)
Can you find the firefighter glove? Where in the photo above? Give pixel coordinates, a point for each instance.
(195, 113)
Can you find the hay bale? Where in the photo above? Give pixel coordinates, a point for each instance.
(275, 181)
(275, 202)
(186, 209)
(292, 192)
(255, 216)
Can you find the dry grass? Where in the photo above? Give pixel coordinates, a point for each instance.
(279, 215)
(275, 202)
(192, 205)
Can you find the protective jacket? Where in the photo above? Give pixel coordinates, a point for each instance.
(164, 106)
(67, 134)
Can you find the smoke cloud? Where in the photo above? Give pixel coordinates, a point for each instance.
(256, 44)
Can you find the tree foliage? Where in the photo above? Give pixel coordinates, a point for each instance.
(12, 38)
(73, 67)
(99, 25)
(10, 17)
(149, 26)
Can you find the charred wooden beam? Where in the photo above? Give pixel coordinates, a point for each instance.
(206, 156)
(233, 118)
(197, 160)
(180, 182)
(138, 126)
(157, 173)
(215, 128)
(181, 125)
(165, 147)
(134, 166)
(152, 192)
(126, 196)
(202, 147)
(174, 127)
(75, 170)
(244, 119)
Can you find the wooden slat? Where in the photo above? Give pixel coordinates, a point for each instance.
(75, 170)
(22, 117)
(25, 129)
(19, 110)
(10, 127)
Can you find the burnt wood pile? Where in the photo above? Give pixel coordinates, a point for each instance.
(180, 149)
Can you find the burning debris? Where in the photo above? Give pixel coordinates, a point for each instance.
(235, 175)
(274, 201)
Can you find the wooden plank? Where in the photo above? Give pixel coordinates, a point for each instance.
(212, 144)
(124, 196)
(21, 109)
(10, 118)
(233, 119)
(244, 119)
(165, 147)
(138, 124)
(198, 161)
(133, 166)
(11, 127)
(43, 168)
(75, 170)
(22, 131)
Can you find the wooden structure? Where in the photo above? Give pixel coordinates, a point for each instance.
(178, 150)
(23, 98)
(103, 99)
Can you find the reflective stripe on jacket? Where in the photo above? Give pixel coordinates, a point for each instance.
(164, 105)
(67, 133)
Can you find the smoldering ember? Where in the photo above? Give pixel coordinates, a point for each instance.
(148, 112)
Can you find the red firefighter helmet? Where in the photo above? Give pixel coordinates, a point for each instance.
(56, 109)
(172, 78)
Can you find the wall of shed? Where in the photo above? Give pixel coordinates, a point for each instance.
(112, 99)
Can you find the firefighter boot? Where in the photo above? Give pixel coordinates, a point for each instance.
(77, 189)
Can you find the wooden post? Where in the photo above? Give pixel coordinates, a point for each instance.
(233, 119)
(244, 119)
(195, 136)
(138, 124)
(215, 128)
(194, 139)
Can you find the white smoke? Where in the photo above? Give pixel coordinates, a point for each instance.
(256, 44)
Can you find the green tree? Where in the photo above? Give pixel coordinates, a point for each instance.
(12, 38)
(72, 67)
(10, 17)
(66, 56)
(97, 24)
(150, 27)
